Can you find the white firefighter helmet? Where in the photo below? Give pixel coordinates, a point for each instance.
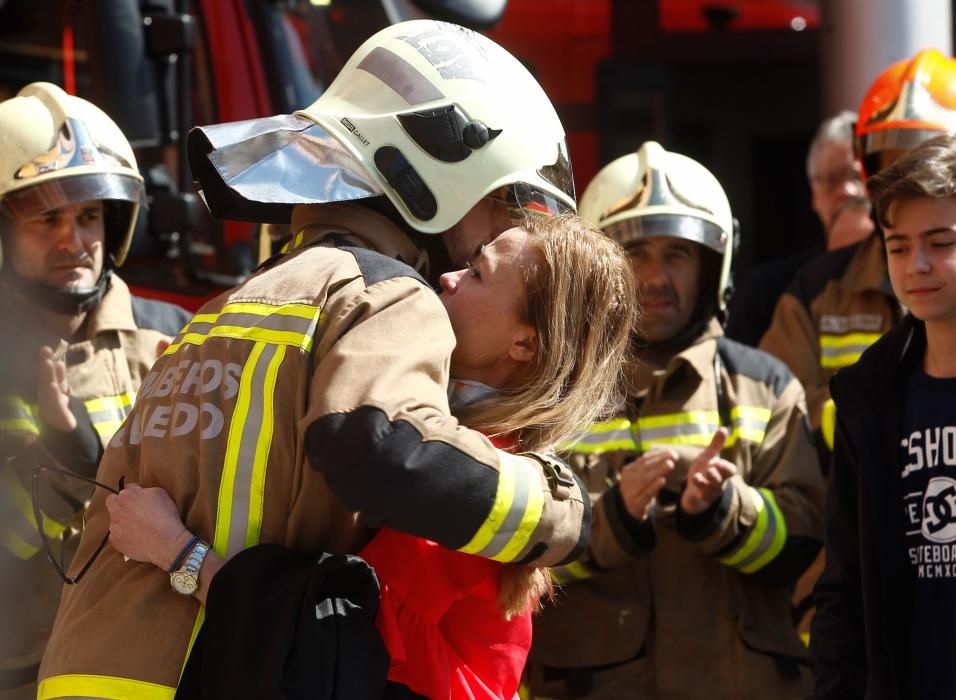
(57, 149)
(654, 192)
(433, 115)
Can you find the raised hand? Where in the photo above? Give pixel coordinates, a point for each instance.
(53, 393)
(642, 480)
(706, 476)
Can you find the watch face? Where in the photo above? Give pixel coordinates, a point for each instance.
(183, 582)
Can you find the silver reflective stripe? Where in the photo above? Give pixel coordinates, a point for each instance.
(244, 468)
(508, 527)
(275, 322)
(653, 434)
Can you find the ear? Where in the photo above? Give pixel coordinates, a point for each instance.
(524, 344)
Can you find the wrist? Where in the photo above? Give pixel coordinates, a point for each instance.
(174, 553)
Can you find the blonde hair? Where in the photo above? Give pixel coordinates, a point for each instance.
(582, 303)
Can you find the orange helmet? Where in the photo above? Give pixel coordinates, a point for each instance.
(911, 101)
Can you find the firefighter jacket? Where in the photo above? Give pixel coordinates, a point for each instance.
(838, 305)
(105, 365)
(313, 391)
(668, 607)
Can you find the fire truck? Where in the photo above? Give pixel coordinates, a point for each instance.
(619, 72)
(159, 67)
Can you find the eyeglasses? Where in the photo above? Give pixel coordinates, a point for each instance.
(59, 563)
(833, 178)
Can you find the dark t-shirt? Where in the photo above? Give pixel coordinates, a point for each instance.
(928, 457)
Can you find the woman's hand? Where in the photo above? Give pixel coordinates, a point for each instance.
(145, 525)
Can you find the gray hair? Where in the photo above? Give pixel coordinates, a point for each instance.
(838, 129)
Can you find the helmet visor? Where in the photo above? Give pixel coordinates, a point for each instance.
(523, 200)
(560, 175)
(53, 194)
(258, 170)
(708, 234)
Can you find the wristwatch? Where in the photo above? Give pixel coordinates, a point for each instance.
(185, 579)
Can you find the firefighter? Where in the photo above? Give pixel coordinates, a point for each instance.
(841, 302)
(316, 390)
(708, 497)
(77, 343)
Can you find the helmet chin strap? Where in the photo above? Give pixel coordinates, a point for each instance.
(69, 302)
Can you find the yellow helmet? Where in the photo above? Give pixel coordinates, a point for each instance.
(432, 115)
(56, 149)
(655, 192)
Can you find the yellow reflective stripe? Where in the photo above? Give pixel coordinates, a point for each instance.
(263, 445)
(294, 243)
(529, 522)
(575, 571)
(17, 546)
(253, 333)
(756, 532)
(750, 423)
(105, 687)
(107, 413)
(20, 425)
(609, 426)
(766, 538)
(302, 337)
(828, 423)
(778, 540)
(106, 403)
(220, 541)
(197, 625)
(21, 498)
(672, 419)
(587, 448)
(844, 350)
(16, 415)
(515, 514)
(499, 509)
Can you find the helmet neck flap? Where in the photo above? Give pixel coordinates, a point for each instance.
(69, 302)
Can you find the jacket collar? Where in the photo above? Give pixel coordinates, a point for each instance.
(867, 269)
(325, 224)
(697, 355)
(115, 311)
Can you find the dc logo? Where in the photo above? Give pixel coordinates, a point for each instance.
(939, 510)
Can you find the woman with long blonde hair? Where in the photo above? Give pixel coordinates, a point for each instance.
(543, 315)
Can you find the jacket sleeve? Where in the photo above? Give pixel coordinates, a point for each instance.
(837, 640)
(794, 340)
(616, 537)
(60, 497)
(770, 524)
(380, 430)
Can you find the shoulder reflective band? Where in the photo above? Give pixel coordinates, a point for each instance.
(278, 324)
(844, 350)
(516, 512)
(694, 428)
(765, 539)
(828, 423)
(19, 533)
(108, 687)
(575, 571)
(107, 413)
(17, 416)
(239, 513)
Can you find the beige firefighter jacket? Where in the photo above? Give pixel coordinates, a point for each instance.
(839, 304)
(681, 606)
(105, 366)
(313, 391)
